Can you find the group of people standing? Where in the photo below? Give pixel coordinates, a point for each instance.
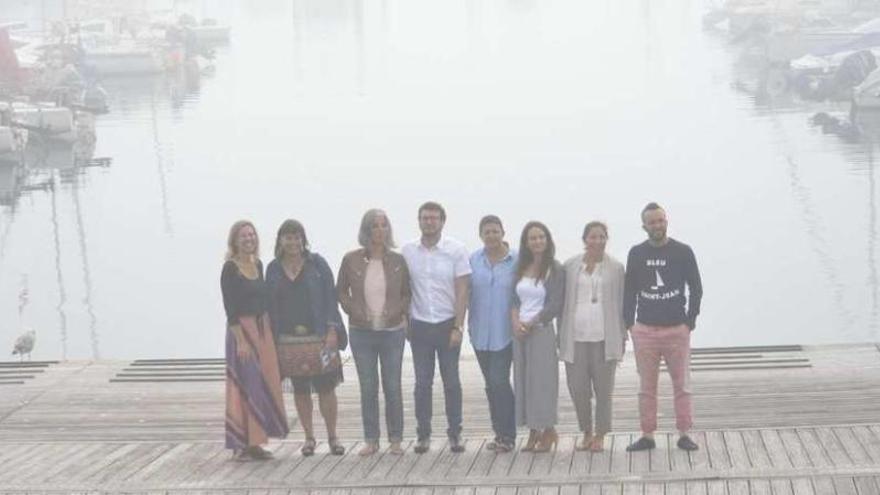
(525, 311)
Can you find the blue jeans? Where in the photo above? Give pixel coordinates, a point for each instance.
(495, 366)
(369, 348)
(429, 342)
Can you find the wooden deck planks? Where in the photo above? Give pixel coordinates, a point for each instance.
(868, 442)
(844, 486)
(37, 462)
(542, 462)
(483, 462)
(700, 458)
(851, 445)
(744, 451)
(760, 487)
(618, 458)
(719, 457)
(563, 457)
(716, 487)
(865, 485)
(812, 446)
(150, 439)
(406, 463)
(739, 487)
(20, 458)
(464, 462)
(694, 487)
(803, 486)
(832, 447)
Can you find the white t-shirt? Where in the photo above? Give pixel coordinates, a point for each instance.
(531, 298)
(589, 319)
(432, 273)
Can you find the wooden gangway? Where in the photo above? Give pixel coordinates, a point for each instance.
(775, 420)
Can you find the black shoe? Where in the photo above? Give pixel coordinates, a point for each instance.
(643, 443)
(504, 445)
(685, 443)
(422, 446)
(455, 445)
(493, 444)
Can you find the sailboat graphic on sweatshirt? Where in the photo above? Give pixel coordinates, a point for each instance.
(658, 291)
(659, 283)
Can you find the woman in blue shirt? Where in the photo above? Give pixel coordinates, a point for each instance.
(493, 270)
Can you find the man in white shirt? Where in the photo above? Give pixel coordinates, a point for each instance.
(439, 268)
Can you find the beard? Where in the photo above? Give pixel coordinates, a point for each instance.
(657, 235)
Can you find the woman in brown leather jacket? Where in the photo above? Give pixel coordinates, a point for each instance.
(373, 289)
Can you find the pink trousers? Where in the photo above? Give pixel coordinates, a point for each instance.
(673, 345)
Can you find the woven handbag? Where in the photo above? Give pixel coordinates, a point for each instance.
(301, 356)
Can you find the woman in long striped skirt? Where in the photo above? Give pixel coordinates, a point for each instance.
(254, 404)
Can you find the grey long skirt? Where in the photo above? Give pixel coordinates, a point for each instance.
(536, 378)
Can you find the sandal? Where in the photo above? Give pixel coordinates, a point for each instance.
(259, 453)
(369, 448)
(336, 448)
(308, 447)
(586, 443)
(597, 444)
(395, 448)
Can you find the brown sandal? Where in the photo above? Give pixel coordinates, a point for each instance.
(308, 447)
(534, 436)
(336, 448)
(548, 440)
(585, 443)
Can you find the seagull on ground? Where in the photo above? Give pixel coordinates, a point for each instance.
(24, 344)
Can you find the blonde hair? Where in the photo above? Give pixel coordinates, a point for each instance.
(231, 247)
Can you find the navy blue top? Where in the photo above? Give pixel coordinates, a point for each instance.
(655, 285)
(321, 289)
(294, 315)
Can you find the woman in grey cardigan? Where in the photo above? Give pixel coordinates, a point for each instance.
(537, 300)
(592, 333)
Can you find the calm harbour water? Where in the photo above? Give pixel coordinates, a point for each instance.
(562, 111)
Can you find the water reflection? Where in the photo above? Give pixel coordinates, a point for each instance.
(59, 273)
(11, 175)
(49, 164)
(563, 110)
(160, 167)
(813, 64)
(87, 273)
(872, 248)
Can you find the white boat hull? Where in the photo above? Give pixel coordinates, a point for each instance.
(211, 34)
(55, 123)
(784, 47)
(121, 63)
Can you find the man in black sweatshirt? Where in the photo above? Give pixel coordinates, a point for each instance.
(657, 272)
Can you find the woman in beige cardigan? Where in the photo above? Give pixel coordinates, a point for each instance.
(592, 334)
